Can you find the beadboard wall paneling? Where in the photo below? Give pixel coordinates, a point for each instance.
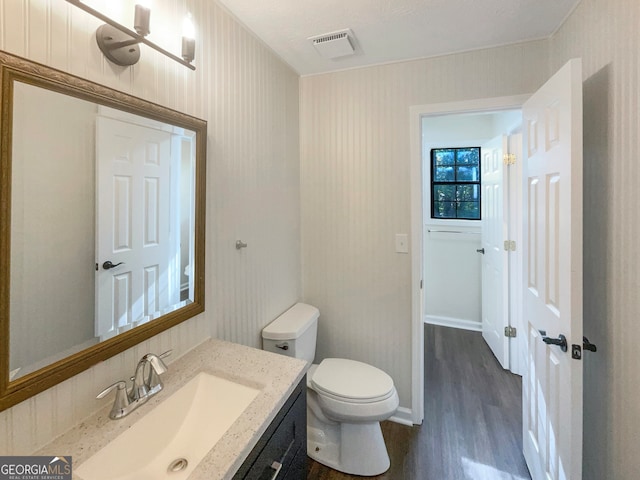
(605, 34)
(355, 164)
(250, 99)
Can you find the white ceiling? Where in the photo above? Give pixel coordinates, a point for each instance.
(393, 30)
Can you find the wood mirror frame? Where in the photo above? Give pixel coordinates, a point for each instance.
(12, 69)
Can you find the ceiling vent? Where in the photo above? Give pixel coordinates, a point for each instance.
(334, 44)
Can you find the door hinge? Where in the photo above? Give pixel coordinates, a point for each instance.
(510, 332)
(510, 245)
(509, 158)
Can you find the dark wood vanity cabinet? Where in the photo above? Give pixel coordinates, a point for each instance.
(283, 447)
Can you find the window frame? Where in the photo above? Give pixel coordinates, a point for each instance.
(435, 183)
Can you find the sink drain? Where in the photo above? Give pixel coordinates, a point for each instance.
(177, 465)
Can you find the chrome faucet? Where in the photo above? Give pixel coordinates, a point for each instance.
(142, 389)
(149, 384)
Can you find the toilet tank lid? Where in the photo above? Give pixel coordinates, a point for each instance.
(292, 323)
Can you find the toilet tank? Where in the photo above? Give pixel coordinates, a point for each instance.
(293, 333)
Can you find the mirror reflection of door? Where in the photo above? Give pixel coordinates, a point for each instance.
(136, 229)
(52, 255)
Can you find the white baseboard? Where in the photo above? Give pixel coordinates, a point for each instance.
(453, 322)
(403, 416)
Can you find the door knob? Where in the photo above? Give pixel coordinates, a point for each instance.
(480, 250)
(561, 341)
(109, 264)
(587, 345)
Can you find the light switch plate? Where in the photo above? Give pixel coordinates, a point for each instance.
(402, 243)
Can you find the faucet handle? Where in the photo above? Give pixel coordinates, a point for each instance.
(156, 363)
(121, 401)
(158, 367)
(120, 385)
(166, 354)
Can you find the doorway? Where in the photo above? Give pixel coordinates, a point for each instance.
(462, 158)
(472, 226)
(468, 112)
(551, 264)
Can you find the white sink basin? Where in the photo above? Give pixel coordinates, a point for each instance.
(184, 426)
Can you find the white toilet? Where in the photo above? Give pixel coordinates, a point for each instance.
(346, 400)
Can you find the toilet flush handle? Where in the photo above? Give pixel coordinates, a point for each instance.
(282, 346)
(276, 467)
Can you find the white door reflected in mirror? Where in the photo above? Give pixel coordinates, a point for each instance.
(96, 185)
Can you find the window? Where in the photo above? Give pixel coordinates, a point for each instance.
(455, 183)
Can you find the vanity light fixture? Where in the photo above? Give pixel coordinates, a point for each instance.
(121, 44)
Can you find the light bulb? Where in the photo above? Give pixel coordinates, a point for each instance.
(142, 17)
(188, 30)
(188, 39)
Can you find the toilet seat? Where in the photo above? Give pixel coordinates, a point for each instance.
(351, 381)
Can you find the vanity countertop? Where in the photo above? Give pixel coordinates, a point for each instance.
(275, 375)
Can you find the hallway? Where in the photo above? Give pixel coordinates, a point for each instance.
(473, 418)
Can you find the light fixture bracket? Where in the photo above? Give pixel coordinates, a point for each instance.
(117, 46)
(132, 37)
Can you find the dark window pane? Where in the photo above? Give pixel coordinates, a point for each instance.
(468, 156)
(468, 210)
(444, 209)
(444, 174)
(468, 193)
(444, 156)
(455, 183)
(468, 173)
(444, 193)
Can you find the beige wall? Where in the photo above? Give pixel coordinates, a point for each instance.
(354, 135)
(250, 99)
(605, 34)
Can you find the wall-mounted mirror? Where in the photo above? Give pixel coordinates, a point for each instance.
(102, 224)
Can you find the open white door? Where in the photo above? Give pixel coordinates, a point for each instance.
(552, 384)
(515, 215)
(133, 227)
(495, 260)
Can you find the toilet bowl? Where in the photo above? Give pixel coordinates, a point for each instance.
(346, 399)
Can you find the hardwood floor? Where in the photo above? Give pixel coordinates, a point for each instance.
(473, 418)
